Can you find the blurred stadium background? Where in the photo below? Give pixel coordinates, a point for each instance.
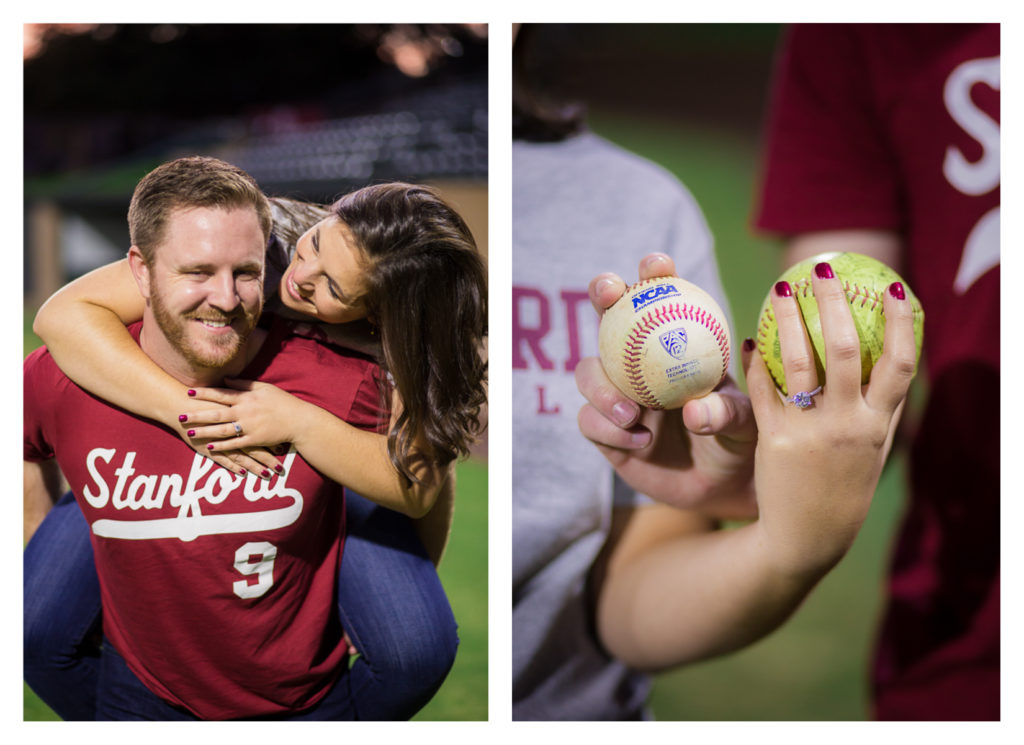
(692, 99)
(311, 111)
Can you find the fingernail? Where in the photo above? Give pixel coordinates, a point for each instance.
(824, 271)
(265, 473)
(183, 418)
(242, 471)
(705, 418)
(210, 446)
(191, 433)
(748, 345)
(652, 259)
(624, 414)
(191, 392)
(640, 439)
(896, 290)
(782, 289)
(601, 284)
(279, 468)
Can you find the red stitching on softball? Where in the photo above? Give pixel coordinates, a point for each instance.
(853, 293)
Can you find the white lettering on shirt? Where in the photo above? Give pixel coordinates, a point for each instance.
(981, 249)
(982, 176)
(204, 483)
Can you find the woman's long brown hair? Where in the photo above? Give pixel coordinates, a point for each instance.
(427, 295)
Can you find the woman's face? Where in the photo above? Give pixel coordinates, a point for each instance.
(326, 277)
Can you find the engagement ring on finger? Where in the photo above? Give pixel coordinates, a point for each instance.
(803, 399)
(238, 427)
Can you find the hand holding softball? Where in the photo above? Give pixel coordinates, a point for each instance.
(698, 458)
(817, 466)
(865, 281)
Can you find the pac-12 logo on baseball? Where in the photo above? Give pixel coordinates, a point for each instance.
(645, 297)
(674, 342)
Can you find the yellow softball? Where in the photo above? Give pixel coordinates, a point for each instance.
(865, 280)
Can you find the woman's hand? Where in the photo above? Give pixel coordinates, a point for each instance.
(253, 460)
(698, 458)
(817, 467)
(246, 419)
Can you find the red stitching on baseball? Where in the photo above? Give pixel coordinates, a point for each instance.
(663, 314)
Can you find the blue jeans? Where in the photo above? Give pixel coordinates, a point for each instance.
(390, 600)
(123, 697)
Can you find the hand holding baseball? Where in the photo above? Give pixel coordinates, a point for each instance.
(699, 458)
(817, 466)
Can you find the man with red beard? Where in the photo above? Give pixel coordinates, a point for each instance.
(217, 588)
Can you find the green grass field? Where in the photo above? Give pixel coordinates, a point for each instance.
(463, 697)
(816, 666)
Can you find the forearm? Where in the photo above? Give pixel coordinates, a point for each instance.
(99, 355)
(884, 245)
(83, 326)
(359, 460)
(435, 527)
(696, 597)
(42, 483)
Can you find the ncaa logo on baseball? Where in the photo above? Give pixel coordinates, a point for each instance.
(674, 342)
(644, 298)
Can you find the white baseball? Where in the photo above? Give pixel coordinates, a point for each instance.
(664, 342)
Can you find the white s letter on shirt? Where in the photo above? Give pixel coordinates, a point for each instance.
(981, 250)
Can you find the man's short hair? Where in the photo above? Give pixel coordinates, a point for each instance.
(196, 181)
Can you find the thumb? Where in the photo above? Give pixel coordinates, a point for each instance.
(725, 412)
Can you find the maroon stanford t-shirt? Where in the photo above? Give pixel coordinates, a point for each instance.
(218, 589)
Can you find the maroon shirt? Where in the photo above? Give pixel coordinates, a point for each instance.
(896, 127)
(218, 589)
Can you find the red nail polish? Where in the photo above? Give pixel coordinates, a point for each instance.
(896, 290)
(191, 392)
(210, 446)
(782, 289)
(182, 418)
(824, 271)
(748, 345)
(265, 473)
(191, 433)
(279, 468)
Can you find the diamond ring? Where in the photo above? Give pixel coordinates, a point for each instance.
(238, 427)
(803, 399)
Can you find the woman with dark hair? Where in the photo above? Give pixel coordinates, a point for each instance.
(390, 270)
(396, 262)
